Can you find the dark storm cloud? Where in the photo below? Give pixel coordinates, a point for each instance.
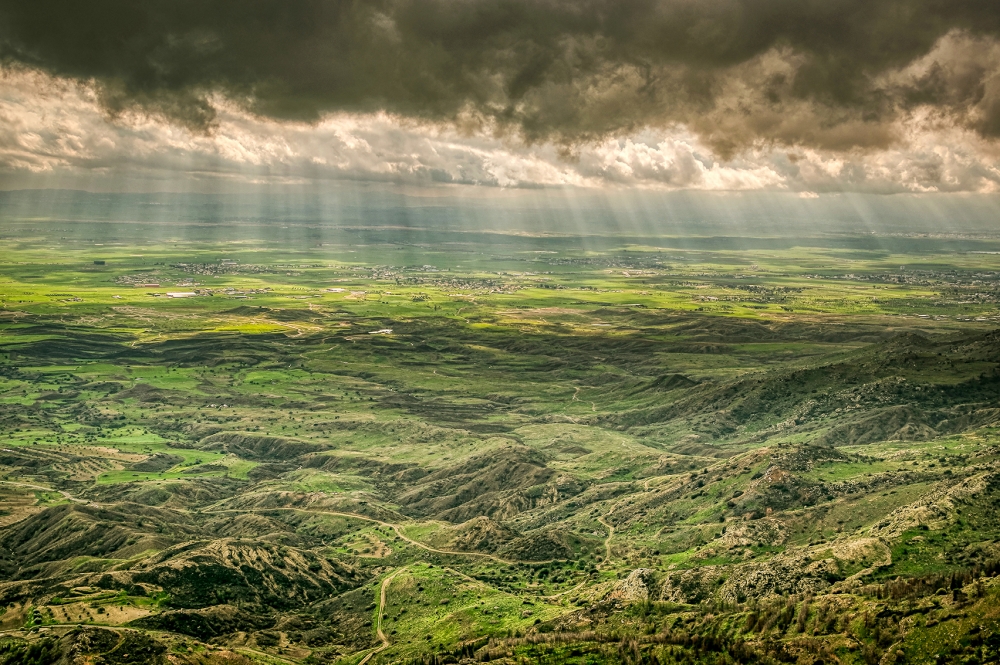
(834, 74)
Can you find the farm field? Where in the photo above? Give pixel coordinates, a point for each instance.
(380, 444)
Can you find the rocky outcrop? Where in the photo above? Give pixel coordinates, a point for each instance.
(641, 584)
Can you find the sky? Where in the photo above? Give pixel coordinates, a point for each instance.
(803, 97)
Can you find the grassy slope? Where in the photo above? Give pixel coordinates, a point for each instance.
(774, 445)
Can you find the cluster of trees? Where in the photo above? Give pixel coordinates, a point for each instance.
(927, 585)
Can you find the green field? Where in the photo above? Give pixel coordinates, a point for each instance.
(391, 445)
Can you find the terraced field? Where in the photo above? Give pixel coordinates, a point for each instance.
(595, 452)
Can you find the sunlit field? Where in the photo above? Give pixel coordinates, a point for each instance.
(522, 332)
(396, 445)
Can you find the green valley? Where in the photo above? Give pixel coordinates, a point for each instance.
(413, 446)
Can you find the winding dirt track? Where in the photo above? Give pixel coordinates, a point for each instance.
(385, 583)
(398, 529)
(607, 541)
(378, 624)
(45, 489)
(395, 527)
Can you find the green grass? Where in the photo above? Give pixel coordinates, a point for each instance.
(275, 404)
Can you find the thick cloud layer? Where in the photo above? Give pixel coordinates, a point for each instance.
(835, 75)
(54, 133)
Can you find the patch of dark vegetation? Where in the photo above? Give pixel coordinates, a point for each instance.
(246, 573)
(177, 496)
(268, 471)
(74, 530)
(206, 468)
(348, 617)
(544, 545)
(480, 534)
(258, 446)
(156, 463)
(206, 623)
(496, 485)
(21, 652)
